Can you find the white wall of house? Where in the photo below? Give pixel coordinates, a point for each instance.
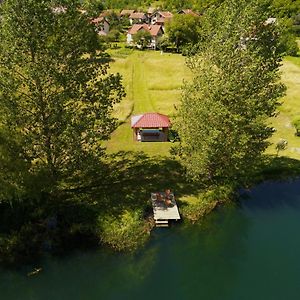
(106, 27)
(129, 39)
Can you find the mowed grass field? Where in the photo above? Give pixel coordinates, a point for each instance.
(153, 84)
(289, 109)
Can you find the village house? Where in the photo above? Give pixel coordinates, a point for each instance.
(137, 18)
(151, 11)
(161, 17)
(155, 30)
(126, 12)
(188, 12)
(102, 25)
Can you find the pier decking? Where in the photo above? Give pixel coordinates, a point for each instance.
(163, 212)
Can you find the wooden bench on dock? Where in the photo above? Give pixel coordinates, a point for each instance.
(162, 211)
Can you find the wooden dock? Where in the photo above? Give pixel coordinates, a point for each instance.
(163, 212)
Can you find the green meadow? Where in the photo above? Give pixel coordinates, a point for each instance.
(153, 83)
(289, 109)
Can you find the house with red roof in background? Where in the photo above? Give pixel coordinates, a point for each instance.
(137, 18)
(161, 18)
(155, 30)
(126, 12)
(188, 12)
(150, 127)
(102, 25)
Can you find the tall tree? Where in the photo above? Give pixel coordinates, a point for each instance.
(224, 111)
(183, 30)
(56, 95)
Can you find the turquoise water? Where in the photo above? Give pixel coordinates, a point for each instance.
(251, 251)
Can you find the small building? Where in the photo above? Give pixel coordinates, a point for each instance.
(137, 18)
(155, 30)
(188, 12)
(150, 127)
(161, 17)
(151, 11)
(102, 25)
(126, 12)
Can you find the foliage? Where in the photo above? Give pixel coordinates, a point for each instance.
(93, 7)
(222, 119)
(142, 39)
(281, 145)
(163, 43)
(206, 201)
(126, 232)
(111, 37)
(296, 123)
(56, 95)
(183, 30)
(116, 22)
(123, 4)
(285, 9)
(287, 38)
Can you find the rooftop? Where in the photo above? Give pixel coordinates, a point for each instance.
(153, 29)
(150, 120)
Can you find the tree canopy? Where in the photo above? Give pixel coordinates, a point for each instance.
(183, 30)
(56, 95)
(142, 38)
(223, 116)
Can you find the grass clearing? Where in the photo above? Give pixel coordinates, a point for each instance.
(289, 109)
(153, 84)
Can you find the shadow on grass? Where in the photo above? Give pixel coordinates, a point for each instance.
(132, 176)
(279, 168)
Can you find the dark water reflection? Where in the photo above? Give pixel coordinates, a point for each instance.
(246, 252)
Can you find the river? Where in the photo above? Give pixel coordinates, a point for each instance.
(249, 251)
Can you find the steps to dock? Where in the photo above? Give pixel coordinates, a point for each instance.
(161, 223)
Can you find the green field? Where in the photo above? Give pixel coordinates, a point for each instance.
(153, 81)
(289, 109)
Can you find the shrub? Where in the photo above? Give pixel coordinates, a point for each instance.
(126, 232)
(207, 201)
(296, 123)
(281, 145)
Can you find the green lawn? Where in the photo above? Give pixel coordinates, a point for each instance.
(152, 81)
(289, 109)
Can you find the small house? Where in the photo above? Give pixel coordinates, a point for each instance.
(102, 25)
(137, 18)
(126, 12)
(188, 12)
(155, 30)
(150, 127)
(161, 17)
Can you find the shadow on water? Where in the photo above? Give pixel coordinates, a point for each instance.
(273, 195)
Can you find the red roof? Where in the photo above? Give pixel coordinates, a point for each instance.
(150, 120)
(137, 15)
(152, 29)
